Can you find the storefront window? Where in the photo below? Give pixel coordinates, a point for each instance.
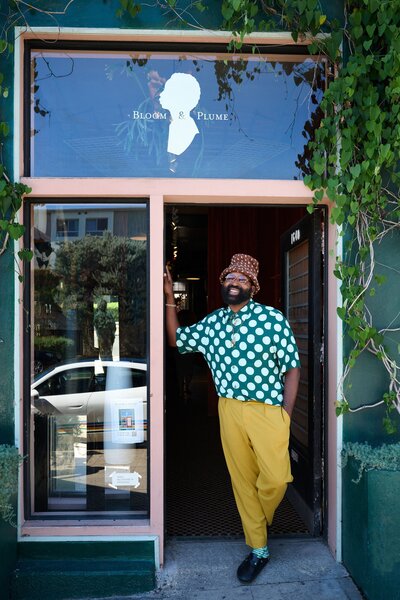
(89, 400)
(116, 114)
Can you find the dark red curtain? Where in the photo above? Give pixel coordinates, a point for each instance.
(249, 230)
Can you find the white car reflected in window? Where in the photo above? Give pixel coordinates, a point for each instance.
(112, 395)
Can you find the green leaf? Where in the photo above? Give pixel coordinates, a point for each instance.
(374, 5)
(5, 204)
(25, 254)
(4, 128)
(384, 150)
(319, 166)
(253, 10)
(336, 214)
(16, 230)
(389, 425)
(318, 196)
(370, 29)
(342, 407)
(380, 279)
(313, 48)
(333, 45)
(370, 150)
(227, 11)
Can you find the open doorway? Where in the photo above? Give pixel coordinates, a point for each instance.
(200, 241)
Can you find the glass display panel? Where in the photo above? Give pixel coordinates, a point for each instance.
(89, 401)
(115, 114)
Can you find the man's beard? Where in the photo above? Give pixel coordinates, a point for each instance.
(234, 299)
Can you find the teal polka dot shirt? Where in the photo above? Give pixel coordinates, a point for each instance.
(248, 352)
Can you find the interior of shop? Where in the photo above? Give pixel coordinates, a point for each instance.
(200, 241)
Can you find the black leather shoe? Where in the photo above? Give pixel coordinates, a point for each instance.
(250, 568)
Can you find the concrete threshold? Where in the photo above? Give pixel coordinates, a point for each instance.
(299, 569)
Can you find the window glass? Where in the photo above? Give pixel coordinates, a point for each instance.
(67, 227)
(96, 226)
(88, 399)
(115, 114)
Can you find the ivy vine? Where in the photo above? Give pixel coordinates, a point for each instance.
(354, 153)
(11, 197)
(355, 165)
(11, 193)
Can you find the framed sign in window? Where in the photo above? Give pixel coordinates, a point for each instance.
(168, 114)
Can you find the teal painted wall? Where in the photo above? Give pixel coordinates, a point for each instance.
(371, 523)
(7, 348)
(102, 13)
(8, 534)
(368, 378)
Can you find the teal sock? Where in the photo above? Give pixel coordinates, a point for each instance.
(261, 552)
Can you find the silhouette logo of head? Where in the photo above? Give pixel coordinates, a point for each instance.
(180, 95)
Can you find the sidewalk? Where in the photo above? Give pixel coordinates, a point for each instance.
(299, 569)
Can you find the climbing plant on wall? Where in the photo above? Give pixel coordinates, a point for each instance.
(353, 155)
(11, 193)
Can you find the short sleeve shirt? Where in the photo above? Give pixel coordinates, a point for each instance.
(248, 351)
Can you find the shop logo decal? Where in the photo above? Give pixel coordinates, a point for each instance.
(180, 95)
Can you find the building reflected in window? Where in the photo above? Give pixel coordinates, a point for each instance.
(89, 351)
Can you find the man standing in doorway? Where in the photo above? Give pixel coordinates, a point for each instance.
(253, 358)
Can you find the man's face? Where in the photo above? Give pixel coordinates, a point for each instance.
(236, 289)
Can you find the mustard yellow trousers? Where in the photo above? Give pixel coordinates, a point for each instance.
(255, 439)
